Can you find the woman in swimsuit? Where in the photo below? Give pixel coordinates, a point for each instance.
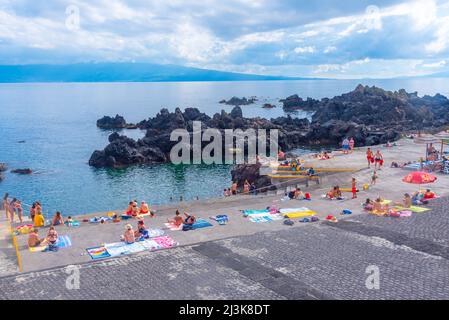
(142, 230)
(5, 204)
(234, 188)
(177, 220)
(190, 219)
(52, 236)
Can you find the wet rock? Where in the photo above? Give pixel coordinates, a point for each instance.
(235, 101)
(118, 122)
(22, 171)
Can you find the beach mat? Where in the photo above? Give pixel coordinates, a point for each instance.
(201, 223)
(98, 253)
(249, 212)
(262, 218)
(413, 209)
(64, 242)
(297, 212)
(37, 249)
(172, 227)
(154, 232)
(116, 249)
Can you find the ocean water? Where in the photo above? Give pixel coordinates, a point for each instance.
(57, 123)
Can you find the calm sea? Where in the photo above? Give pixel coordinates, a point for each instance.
(57, 123)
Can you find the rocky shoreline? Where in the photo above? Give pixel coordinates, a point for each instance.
(369, 114)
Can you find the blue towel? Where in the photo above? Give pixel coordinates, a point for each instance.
(201, 224)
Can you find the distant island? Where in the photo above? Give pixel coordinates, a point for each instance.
(122, 72)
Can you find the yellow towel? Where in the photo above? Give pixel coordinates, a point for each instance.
(300, 214)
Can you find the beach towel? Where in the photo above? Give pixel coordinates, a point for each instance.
(297, 212)
(405, 213)
(64, 242)
(262, 218)
(413, 209)
(165, 242)
(37, 249)
(172, 227)
(120, 248)
(250, 212)
(154, 232)
(98, 253)
(98, 219)
(201, 223)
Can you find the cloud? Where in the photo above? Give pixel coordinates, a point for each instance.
(325, 38)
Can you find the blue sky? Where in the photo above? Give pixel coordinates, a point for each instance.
(328, 38)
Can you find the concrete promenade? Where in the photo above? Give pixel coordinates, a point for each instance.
(245, 260)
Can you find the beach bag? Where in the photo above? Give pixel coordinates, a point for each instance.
(304, 220)
(307, 196)
(314, 219)
(288, 222)
(345, 211)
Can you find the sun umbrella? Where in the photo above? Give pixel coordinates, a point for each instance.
(426, 139)
(443, 136)
(419, 177)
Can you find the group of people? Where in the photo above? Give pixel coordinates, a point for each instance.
(135, 210)
(298, 194)
(375, 158)
(12, 208)
(247, 188)
(348, 145)
(379, 206)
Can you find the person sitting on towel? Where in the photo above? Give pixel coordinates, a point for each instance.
(378, 207)
(33, 238)
(299, 194)
(142, 231)
(57, 219)
(177, 220)
(128, 237)
(368, 205)
(190, 219)
(144, 208)
(406, 201)
(429, 194)
(52, 236)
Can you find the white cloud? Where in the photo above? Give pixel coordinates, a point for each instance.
(308, 49)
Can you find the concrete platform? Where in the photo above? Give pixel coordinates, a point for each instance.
(389, 186)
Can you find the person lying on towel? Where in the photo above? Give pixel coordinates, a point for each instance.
(190, 219)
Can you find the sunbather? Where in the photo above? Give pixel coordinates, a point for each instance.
(379, 208)
(57, 219)
(128, 237)
(52, 236)
(368, 205)
(190, 219)
(142, 231)
(39, 220)
(177, 220)
(429, 194)
(406, 201)
(33, 238)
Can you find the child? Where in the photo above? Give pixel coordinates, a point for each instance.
(369, 205)
(374, 178)
(69, 221)
(354, 188)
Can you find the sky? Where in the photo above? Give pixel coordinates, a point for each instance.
(322, 38)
